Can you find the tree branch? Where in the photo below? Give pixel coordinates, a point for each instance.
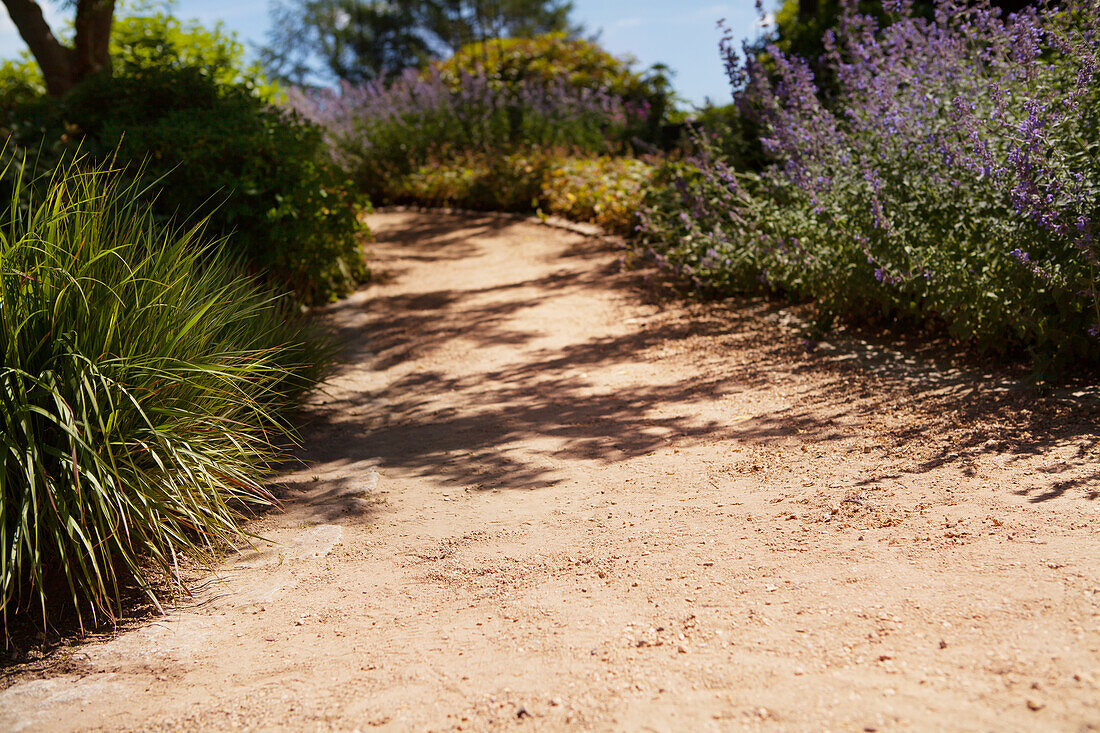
(54, 59)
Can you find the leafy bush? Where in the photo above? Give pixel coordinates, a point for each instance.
(148, 37)
(140, 382)
(526, 97)
(381, 133)
(606, 191)
(730, 130)
(490, 183)
(145, 35)
(951, 180)
(191, 121)
(218, 151)
(553, 59)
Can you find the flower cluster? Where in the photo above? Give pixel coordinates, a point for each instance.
(945, 171)
(382, 131)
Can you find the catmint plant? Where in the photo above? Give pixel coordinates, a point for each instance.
(947, 175)
(383, 130)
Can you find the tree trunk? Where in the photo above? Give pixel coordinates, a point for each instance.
(63, 67)
(93, 37)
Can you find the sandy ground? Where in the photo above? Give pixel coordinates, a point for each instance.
(534, 500)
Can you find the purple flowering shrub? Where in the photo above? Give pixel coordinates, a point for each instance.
(382, 132)
(949, 176)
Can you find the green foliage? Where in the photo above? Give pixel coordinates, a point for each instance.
(606, 190)
(260, 175)
(141, 381)
(726, 128)
(549, 58)
(359, 41)
(182, 108)
(686, 219)
(382, 133)
(150, 36)
(760, 236)
(20, 82)
(799, 33)
(510, 97)
(147, 34)
(946, 183)
(555, 58)
(483, 182)
(603, 190)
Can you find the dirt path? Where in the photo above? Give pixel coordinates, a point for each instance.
(534, 501)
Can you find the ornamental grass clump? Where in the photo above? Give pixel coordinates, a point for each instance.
(944, 172)
(141, 381)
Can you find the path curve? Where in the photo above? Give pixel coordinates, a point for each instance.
(534, 500)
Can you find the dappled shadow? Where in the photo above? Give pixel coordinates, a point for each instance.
(954, 408)
(406, 326)
(512, 425)
(965, 412)
(441, 237)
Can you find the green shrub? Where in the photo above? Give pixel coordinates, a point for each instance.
(140, 386)
(148, 37)
(143, 34)
(489, 183)
(603, 190)
(181, 109)
(554, 58)
(946, 182)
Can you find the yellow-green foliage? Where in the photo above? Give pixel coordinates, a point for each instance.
(434, 185)
(144, 35)
(605, 190)
(550, 58)
(148, 37)
(554, 58)
(507, 183)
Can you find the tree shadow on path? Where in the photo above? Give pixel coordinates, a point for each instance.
(513, 425)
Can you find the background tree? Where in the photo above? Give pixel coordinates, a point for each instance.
(63, 66)
(800, 24)
(458, 23)
(360, 40)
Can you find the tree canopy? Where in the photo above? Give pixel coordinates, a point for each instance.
(360, 40)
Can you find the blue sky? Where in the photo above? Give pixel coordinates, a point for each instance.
(680, 34)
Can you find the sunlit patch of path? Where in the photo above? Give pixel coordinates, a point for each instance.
(531, 498)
